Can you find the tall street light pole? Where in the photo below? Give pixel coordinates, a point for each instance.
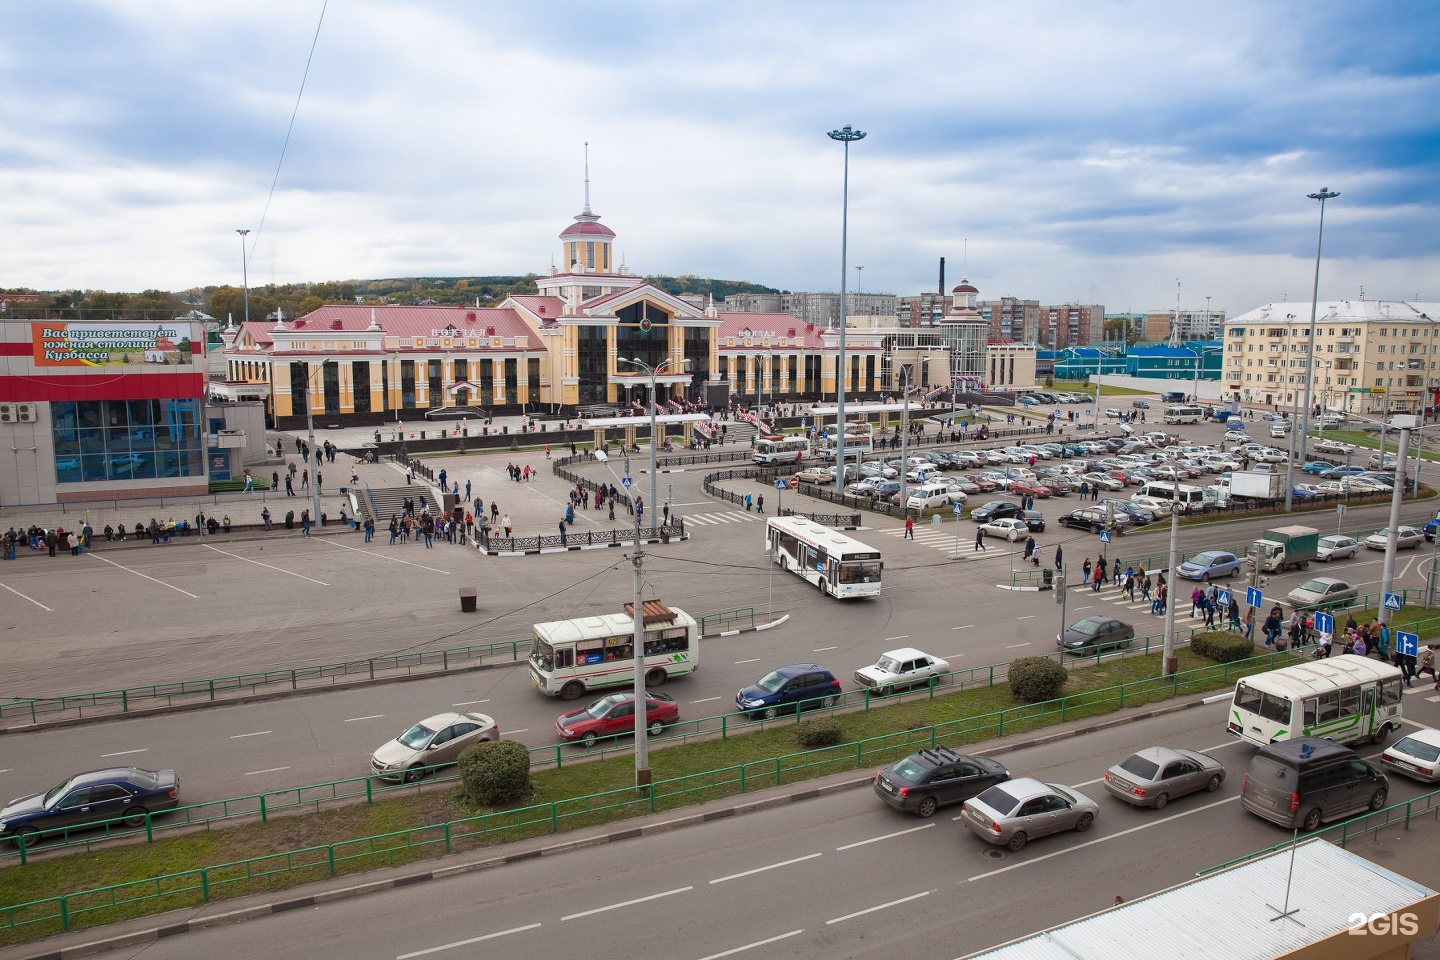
(1169, 663)
(1392, 529)
(845, 135)
(654, 436)
(245, 271)
(904, 433)
(1325, 194)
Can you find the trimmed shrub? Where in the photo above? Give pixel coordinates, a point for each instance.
(820, 732)
(495, 772)
(1036, 679)
(1222, 646)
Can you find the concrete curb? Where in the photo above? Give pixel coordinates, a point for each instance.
(737, 807)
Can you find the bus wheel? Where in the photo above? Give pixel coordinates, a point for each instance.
(1378, 737)
(572, 690)
(655, 678)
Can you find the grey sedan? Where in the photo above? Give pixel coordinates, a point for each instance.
(1011, 813)
(1321, 592)
(1156, 775)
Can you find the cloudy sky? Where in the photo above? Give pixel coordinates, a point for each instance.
(1095, 152)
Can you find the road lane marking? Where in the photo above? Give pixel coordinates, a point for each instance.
(963, 627)
(379, 556)
(888, 836)
(242, 736)
(470, 703)
(506, 733)
(705, 700)
(773, 866)
(749, 946)
(821, 649)
(627, 903)
(144, 575)
(882, 906)
(256, 773)
(738, 662)
(1015, 645)
(1091, 843)
(466, 943)
(122, 753)
(903, 636)
(267, 566)
(1028, 616)
(31, 599)
(373, 716)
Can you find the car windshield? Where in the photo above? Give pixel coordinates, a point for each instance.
(1207, 559)
(416, 737)
(600, 707)
(1087, 627)
(1140, 766)
(1314, 586)
(997, 799)
(887, 665)
(772, 681)
(1419, 749)
(54, 792)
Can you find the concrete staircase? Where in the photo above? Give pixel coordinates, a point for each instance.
(391, 501)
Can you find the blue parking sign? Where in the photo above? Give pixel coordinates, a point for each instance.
(1407, 643)
(1254, 598)
(1324, 623)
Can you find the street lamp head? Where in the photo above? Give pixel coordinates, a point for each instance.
(846, 134)
(242, 231)
(1325, 194)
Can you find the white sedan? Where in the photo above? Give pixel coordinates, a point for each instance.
(1112, 412)
(1104, 482)
(1405, 538)
(1237, 436)
(901, 669)
(1004, 528)
(1333, 446)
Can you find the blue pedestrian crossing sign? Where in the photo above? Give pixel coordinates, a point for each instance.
(958, 508)
(1408, 643)
(1393, 601)
(1104, 536)
(625, 482)
(781, 484)
(1324, 623)
(1222, 597)
(1254, 598)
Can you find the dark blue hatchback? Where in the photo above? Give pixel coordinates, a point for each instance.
(803, 684)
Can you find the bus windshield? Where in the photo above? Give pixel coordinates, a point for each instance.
(860, 571)
(542, 655)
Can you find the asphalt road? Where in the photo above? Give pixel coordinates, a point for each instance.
(839, 876)
(200, 610)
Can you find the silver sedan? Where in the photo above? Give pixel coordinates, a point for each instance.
(1156, 775)
(1011, 813)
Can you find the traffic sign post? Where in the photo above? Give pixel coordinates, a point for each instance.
(780, 484)
(1324, 623)
(1393, 601)
(1222, 597)
(1104, 536)
(1254, 598)
(1408, 644)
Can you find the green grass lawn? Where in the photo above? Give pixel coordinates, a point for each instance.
(1371, 441)
(774, 747)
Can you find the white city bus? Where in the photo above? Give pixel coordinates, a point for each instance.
(568, 657)
(1341, 698)
(859, 441)
(839, 565)
(1183, 413)
(773, 448)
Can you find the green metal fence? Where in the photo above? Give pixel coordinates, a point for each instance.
(202, 885)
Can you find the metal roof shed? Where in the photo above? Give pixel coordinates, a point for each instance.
(1237, 914)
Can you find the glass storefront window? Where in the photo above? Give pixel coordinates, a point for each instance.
(107, 440)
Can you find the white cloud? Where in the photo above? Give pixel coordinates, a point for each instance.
(1088, 153)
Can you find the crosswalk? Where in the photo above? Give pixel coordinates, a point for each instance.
(1181, 597)
(944, 539)
(701, 519)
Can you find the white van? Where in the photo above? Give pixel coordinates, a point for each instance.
(929, 496)
(1191, 499)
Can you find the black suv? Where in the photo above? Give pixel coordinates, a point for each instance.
(805, 684)
(930, 779)
(995, 510)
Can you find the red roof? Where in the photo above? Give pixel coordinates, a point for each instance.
(404, 322)
(587, 225)
(794, 330)
(548, 309)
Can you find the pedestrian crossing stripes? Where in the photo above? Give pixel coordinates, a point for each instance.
(1116, 595)
(702, 519)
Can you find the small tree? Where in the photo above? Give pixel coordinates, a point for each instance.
(495, 772)
(1036, 679)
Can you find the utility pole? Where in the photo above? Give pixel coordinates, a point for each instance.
(1392, 530)
(1170, 664)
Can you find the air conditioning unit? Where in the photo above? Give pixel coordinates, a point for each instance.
(9, 412)
(27, 412)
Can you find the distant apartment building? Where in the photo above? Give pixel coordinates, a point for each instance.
(1193, 325)
(1071, 325)
(1011, 318)
(821, 309)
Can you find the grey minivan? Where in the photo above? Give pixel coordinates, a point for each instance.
(1309, 781)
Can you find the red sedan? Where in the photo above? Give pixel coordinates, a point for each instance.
(614, 716)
